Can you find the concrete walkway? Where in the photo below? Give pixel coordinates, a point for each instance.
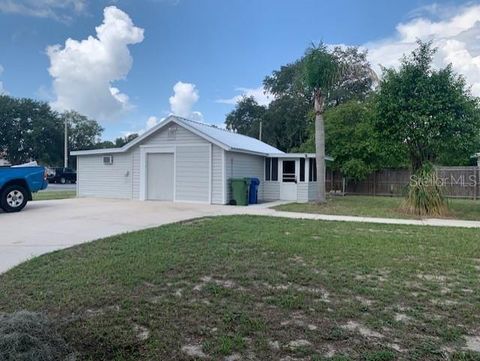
(434, 222)
(46, 226)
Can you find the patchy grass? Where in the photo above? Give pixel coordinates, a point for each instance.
(386, 207)
(261, 288)
(44, 196)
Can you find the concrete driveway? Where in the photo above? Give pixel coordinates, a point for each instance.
(45, 226)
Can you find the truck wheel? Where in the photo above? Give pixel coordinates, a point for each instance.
(13, 198)
(63, 180)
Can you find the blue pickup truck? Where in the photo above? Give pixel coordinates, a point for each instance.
(17, 185)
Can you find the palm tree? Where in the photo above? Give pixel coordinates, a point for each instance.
(321, 70)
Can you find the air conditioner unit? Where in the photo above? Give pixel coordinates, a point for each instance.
(108, 159)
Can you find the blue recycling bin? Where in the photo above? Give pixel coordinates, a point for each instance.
(253, 194)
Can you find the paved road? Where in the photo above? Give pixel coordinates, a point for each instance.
(45, 226)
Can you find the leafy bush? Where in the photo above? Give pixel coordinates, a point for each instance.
(29, 336)
(425, 196)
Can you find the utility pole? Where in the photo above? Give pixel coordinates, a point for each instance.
(260, 132)
(65, 160)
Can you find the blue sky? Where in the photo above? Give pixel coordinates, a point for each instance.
(218, 49)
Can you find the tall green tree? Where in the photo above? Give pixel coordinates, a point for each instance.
(287, 122)
(30, 130)
(429, 112)
(287, 119)
(83, 133)
(352, 140)
(121, 141)
(246, 117)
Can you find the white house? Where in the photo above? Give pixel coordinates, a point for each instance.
(185, 161)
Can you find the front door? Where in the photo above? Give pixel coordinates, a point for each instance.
(288, 182)
(160, 176)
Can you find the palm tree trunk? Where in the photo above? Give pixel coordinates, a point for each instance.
(320, 145)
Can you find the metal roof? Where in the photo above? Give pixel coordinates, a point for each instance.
(223, 138)
(233, 140)
(297, 155)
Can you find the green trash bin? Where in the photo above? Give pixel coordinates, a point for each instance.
(240, 188)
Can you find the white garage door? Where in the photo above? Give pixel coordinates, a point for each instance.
(160, 176)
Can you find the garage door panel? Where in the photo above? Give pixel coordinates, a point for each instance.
(160, 176)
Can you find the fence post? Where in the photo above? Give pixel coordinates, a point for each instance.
(475, 189)
(374, 183)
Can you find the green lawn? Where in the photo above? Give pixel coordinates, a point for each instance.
(389, 207)
(43, 196)
(262, 288)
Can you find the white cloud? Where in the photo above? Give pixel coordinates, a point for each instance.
(454, 32)
(184, 97)
(152, 121)
(83, 71)
(62, 10)
(259, 94)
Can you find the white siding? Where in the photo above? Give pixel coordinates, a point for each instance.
(239, 165)
(302, 191)
(136, 173)
(96, 179)
(192, 180)
(271, 191)
(312, 191)
(182, 137)
(217, 175)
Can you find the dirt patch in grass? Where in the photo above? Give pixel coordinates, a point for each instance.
(255, 288)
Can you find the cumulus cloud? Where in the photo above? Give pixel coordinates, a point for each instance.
(83, 71)
(152, 121)
(259, 94)
(454, 31)
(184, 97)
(62, 10)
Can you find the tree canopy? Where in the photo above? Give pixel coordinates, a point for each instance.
(286, 121)
(429, 112)
(246, 117)
(31, 130)
(415, 114)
